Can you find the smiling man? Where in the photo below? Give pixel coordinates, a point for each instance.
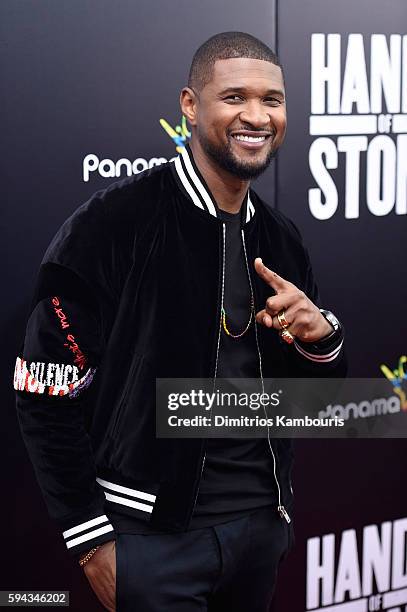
(237, 89)
(178, 272)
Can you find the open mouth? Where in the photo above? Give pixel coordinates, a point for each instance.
(251, 140)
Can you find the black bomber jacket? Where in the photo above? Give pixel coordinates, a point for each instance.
(130, 290)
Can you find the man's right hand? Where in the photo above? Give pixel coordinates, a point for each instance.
(100, 570)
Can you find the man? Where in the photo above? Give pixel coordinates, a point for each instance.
(179, 272)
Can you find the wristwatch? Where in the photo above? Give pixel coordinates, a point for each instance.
(330, 317)
(330, 341)
(335, 335)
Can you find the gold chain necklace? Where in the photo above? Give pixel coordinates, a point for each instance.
(223, 312)
(225, 327)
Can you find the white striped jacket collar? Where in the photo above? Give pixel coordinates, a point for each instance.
(197, 190)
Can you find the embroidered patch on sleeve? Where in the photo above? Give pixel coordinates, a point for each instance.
(51, 378)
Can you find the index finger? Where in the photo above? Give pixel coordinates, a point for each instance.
(271, 278)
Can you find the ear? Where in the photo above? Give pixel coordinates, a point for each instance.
(188, 102)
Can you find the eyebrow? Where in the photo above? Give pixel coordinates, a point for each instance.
(244, 89)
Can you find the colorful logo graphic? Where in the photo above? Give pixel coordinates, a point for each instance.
(179, 135)
(109, 168)
(396, 377)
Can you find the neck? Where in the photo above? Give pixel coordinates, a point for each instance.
(229, 191)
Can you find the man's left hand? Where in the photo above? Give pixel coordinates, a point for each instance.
(304, 318)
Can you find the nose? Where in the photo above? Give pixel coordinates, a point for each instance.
(256, 115)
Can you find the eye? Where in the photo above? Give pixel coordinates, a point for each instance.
(273, 101)
(233, 98)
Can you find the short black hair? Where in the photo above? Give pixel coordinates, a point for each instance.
(225, 46)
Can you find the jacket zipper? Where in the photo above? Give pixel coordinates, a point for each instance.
(281, 509)
(216, 359)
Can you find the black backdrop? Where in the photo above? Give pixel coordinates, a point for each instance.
(92, 77)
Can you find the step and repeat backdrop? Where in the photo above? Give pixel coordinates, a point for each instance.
(90, 95)
(342, 176)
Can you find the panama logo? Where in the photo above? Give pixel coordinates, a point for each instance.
(108, 168)
(362, 410)
(180, 134)
(397, 377)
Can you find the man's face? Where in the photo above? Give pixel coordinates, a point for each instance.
(241, 115)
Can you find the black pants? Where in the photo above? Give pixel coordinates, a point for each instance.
(228, 567)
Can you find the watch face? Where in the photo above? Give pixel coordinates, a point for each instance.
(331, 318)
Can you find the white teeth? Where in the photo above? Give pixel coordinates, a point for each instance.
(250, 138)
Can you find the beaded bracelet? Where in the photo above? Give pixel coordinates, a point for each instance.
(83, 560)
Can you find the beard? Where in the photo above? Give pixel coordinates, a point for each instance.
(224, 156)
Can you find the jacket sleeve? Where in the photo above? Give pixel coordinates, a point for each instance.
(56, 377)
(324, 359)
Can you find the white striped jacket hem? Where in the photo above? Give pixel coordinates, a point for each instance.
(124, 496)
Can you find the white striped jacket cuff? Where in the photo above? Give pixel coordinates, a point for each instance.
(319, 357)
(84, 536)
